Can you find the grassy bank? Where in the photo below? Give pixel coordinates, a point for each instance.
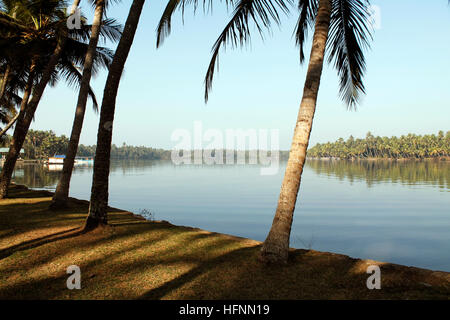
(139, 259)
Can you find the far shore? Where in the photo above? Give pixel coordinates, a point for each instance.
(139, 259)
(40, 161)
(381, 159)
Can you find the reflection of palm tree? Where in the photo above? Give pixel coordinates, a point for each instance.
(373, 172)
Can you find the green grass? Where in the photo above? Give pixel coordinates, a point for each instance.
(139, 259)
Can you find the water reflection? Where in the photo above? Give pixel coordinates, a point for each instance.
(436, 173)
(35, 176)
(387, 211)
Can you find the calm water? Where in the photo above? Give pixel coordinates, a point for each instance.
(388, 211)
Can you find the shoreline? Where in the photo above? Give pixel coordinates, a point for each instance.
(142, 218)
(438, 159)
(37, 248)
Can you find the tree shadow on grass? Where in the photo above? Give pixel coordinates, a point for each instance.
(308, 275)
(148, 260)
(171, 286)
(19, 191)
(34, 243)
(102, 271)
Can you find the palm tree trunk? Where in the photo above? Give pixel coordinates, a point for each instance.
(99, 193)
(276, 246)
(9, 125)
(62, 190)
(4, 81)
(75, 5)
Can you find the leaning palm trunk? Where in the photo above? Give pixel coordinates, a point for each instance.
(276, 247)
(99, 193)
(62, 190)
(4, 81)
(9, 125)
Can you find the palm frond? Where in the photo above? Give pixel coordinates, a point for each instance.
(237, 31)
(76, 51)
(349, 36)
(165, 23)
(111, 30)
(73, 76)
(307, 16)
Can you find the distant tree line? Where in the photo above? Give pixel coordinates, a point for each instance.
(43, 144)
(406, 146)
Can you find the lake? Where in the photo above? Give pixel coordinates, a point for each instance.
(395, 212)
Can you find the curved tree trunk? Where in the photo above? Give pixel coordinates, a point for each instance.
(9, 125)
(99, 193)
(62, 190)
(276, 246)
(4, 81)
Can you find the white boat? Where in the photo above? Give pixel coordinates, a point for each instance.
(84, 161)
(55, 167)
(56, 159)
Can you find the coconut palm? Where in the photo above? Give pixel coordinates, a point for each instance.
(54, 52)
(341, 28)
(62, 190)
(99, 192)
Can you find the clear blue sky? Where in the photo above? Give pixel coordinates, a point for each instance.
(260, 87)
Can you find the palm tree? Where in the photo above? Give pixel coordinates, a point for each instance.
(62, 190)
(58, 53)
(341, 28)
(99, 192)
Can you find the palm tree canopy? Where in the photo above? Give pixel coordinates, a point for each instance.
(32, 28)
(350, 34)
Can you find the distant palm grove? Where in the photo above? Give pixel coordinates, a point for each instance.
(39, 145)
(43, 144)
(406, 146)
